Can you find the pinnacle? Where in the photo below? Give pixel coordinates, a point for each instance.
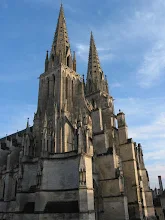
(47, 55)
(27, 126)
(61, 10)
(74, 55)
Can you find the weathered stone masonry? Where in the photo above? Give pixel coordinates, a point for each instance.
(76, 161)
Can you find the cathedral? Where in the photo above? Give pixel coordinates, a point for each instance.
(76, 162)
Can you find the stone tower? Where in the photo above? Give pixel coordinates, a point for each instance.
(76, 162)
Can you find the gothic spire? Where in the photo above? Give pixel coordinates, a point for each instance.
(94, 62)
(95, 76)
(61, 52)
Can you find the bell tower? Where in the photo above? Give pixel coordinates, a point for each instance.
(58, 87)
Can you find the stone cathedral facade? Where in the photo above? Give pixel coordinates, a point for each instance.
(76, 162)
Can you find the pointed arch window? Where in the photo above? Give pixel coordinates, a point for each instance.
(53, 57)
(15, 188)
(44, 144)
(66, 88)
(4, 189)
(33, 150)
(48, 86)
(54, 80)
(101, 75)
(68, 59)
(93, 103)
(47, 145)
(52, 146)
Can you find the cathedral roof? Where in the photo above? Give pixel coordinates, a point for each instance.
(13, 136)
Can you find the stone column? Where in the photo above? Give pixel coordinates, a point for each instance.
(86, 194)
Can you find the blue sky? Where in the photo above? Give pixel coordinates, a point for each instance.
(130, 37)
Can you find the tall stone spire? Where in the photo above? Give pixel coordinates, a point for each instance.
(95, 76)
(60, 52)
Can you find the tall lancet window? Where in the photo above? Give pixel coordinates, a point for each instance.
(66, 88)
(47, 146)
(52, 147)
(4, 189)
(15, 193)
(44, 145)
(101, 75)
(41, 145)
(54, 80)
(52, 60)
(68, 61)
(48, 86)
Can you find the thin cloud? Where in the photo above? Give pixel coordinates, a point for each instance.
(116, 85)
(147, 107)
(153, 66)
(151, 130)
(139, 37)
(142, 110)
(142, 26)
(147, 28)
(82, 51)
(158, 155)
(154, 170)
